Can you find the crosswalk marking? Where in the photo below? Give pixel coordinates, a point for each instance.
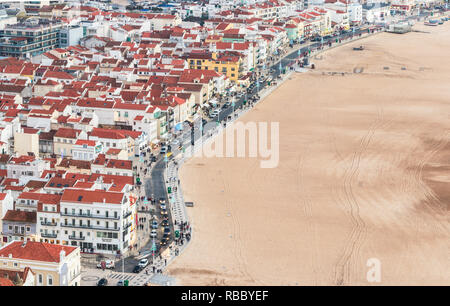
(120, 276)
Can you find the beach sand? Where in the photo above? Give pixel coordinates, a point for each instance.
(364, 173)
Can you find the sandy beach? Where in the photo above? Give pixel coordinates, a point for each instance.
(364, 173)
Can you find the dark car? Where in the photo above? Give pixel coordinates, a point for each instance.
(162, 200)
(163, 241)
(164, 212)
(102, 282)
(167, 230)
(137, 269)
(165, 223)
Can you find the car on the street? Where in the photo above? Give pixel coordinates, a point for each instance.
(162, 205)
(163, 241)
(143, 263)
(162, 200)
(154, 224)
(121, 283)
(102, 282)
(163, 150)
(165, 223)
(214, 113)
(153, 233)
(107, 264)
(167, 230)
(164, 212)
(137, 269)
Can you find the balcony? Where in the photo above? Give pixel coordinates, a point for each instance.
(77, 237)
(89, 216)
(48, 235)
(85, 226)
(127, 214)
(49, 223)
(127, 225)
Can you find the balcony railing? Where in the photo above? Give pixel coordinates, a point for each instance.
(89, 216)
(127, 214)
(49, 235)
(86, 226)
(49, 223)
(77, 237)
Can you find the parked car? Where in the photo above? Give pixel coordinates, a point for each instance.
(108, 264)
(214, 114)
(153, 233)
(143, 263)
(121, 283)
(102, 282)
(163, 150)
(163, 206)
(137, 269)
(154, 224)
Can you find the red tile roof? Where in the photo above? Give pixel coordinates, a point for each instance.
(20, 216)
(91, 196)
(38, 251)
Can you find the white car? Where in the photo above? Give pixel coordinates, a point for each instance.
(143, 263)
(153, 233)
(215, 113)
(163, 206)
(108, 264)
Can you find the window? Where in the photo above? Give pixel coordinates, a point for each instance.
(40, 279)
(49, 280)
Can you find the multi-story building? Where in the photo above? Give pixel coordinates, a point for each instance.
(227, 63)
(29, 38)
(6, 19)
(52, 264)
(70, 36)
(26, 168)
(98, 221)
(19, 225)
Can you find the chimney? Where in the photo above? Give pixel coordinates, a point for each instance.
(62, 255)
(104, 200)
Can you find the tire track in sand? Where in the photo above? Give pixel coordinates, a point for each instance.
(238, 245)
(306, 209)
(359, 230)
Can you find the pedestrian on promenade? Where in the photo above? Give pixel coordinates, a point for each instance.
(165, 262)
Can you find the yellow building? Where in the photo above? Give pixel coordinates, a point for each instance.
(228, 63)
(52, 264)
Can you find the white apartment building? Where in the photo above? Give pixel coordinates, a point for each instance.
(86, 150)
(26, 168)
(98, 221)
